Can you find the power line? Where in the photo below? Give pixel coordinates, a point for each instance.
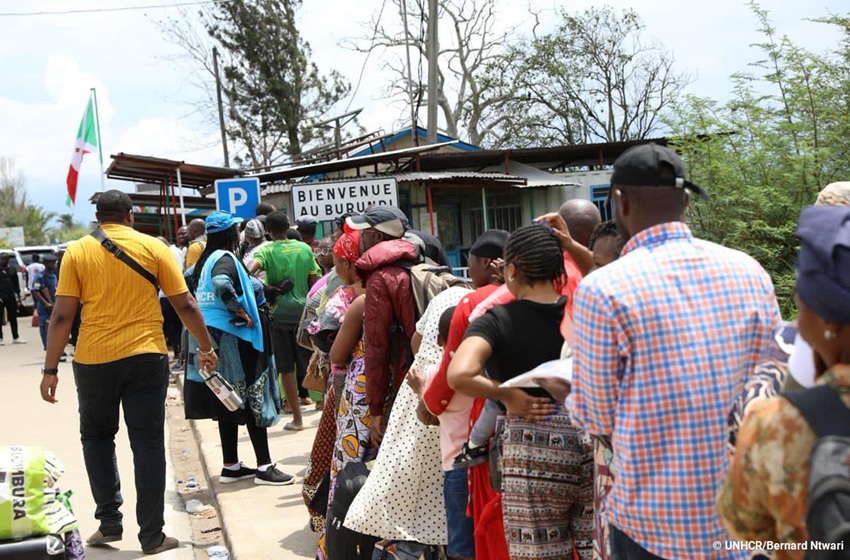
(101, 10)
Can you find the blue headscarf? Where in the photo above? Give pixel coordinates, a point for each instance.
(823, 264)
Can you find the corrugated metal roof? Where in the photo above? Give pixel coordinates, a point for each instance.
(535, 178)
(153, 170)
(434, 176)
(282, 188)
(346, 163)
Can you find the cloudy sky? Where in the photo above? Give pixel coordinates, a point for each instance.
(50, 62)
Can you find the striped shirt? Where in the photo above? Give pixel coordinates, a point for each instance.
(664, 338)
(121, 314)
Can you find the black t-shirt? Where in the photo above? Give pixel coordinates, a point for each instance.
(523, 335)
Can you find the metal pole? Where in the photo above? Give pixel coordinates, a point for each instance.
(433, 54)
(430, 208)
(484, 209)
(414, 136)
(182, 207)
(220, 108)
(99, 140)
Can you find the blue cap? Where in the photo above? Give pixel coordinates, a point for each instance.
(823, 263)
(221, 221)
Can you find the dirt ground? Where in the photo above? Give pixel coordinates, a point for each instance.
(188, 467)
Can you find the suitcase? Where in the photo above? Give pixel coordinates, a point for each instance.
(49, 547)
(341, 542)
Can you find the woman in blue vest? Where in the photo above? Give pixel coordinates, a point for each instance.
(231, 301)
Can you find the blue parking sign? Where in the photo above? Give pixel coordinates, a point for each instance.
(238, 196)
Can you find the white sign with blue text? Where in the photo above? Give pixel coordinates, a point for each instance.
(238, 196)
(327, 201)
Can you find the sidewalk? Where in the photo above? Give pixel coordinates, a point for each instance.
(28, 420)
(264, 522)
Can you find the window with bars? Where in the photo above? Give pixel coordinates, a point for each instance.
(599, 196)
(504, 212)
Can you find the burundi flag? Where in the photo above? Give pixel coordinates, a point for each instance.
(86, 142)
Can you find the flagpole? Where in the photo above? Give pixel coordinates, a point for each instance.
(99, 140)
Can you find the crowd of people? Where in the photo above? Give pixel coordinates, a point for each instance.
(656, 428)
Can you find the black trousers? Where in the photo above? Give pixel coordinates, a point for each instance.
(229, 436)
(139, 384)
(10, 304)
(172, 328)
(624, 548)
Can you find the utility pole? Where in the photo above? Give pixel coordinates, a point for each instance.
(433, 54)
(414, 137)
(220, 107)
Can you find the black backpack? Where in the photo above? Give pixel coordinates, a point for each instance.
(342, 543)
(828, 508)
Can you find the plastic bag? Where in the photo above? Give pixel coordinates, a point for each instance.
(22, 492)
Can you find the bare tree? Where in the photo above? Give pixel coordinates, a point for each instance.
(593, 79)
(469, 42)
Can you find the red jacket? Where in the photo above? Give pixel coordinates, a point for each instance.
(389, 303)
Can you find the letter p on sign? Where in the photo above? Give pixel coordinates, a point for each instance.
(238, 196)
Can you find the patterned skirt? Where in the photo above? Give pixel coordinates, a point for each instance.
(320, 459)
(603, 481)
(353, 426)
(547, 489)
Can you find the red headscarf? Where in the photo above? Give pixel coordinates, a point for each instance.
(347, 246)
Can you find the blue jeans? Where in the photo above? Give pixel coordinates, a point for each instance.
(139, 383)
(460, 527)
(43, 319)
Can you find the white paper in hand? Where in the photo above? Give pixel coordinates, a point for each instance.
(562, 369)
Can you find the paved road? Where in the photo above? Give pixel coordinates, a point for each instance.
(26, 419)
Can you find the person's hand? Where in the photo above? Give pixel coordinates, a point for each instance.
(242, 314)
(558, 227)
(497, 268)
(48, 388)
(424, 415)
(558, 387)
(520, 403)
(416, 380)
(376, 432)
(208, 362)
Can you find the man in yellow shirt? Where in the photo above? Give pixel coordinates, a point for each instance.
(121, 358)
(196, 231)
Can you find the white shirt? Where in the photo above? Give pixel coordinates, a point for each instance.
(33, 270)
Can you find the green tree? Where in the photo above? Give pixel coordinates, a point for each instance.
(274, 93)
(593, 79)
(15, 211)
(766, 153)
(69, 229)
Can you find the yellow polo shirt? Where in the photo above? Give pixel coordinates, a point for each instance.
(194, 252)
(121, 314)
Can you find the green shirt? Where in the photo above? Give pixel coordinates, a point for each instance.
(284, 259)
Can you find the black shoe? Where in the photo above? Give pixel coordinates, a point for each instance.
(229, 475)
(471, 456)
(273, 477)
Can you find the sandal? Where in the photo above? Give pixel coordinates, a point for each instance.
(471, 456)
(292, 427)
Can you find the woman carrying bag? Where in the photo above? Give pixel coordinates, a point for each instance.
(231, 301)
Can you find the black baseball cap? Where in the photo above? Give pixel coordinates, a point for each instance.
(386, 219)
(645, 166)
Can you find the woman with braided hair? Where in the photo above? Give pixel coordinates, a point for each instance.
(547, 461)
